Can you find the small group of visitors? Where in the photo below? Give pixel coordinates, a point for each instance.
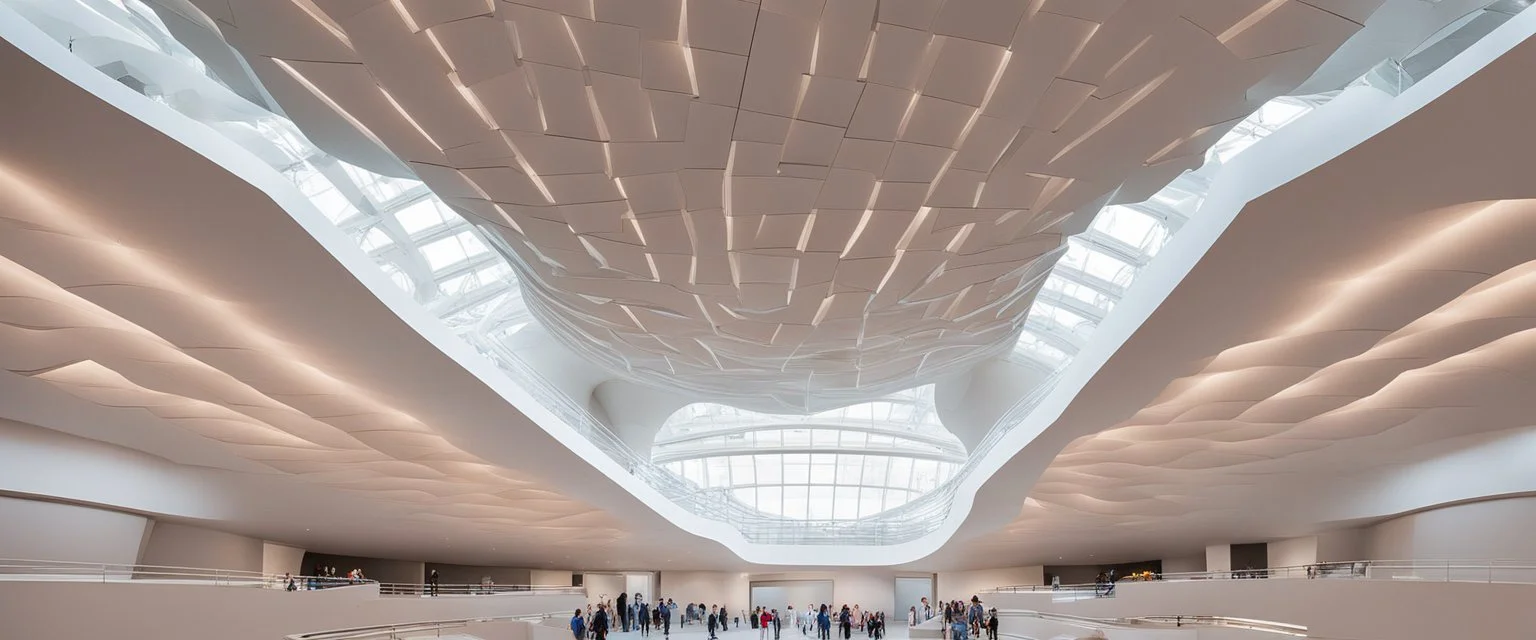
(323, 577)
(634, 614)
(820, 619)
(962, 622)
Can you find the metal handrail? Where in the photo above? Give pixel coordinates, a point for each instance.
(423, 589)
(391, 630)
(1163, 622)
(13, 569)
(1481, 571)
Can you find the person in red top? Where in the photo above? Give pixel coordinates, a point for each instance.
(763, 620)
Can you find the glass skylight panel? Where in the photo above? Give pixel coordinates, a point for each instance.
(420, 215)
(375, 239)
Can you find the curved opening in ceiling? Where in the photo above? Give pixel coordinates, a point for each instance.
(845, 464)
(431, 251)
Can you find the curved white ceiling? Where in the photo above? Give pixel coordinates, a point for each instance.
(786, 205)
(1356, 344)
(501, 456)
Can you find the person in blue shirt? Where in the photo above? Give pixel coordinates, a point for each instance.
(578, 626)
(823, 624)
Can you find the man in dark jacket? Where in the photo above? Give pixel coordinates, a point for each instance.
(622, 604)
(600, 623)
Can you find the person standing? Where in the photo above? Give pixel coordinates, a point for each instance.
(845, 622)
(643, 615)
(778, 624)
(714, 621)
(622, 605)
(578, 626)
(600, 623)
(823, 624)
(432, 583)
(666, 618)
(992, 625)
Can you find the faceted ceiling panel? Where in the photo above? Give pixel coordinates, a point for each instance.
(785, 204)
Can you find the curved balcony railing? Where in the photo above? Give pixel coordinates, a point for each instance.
(913, 520)
(1481, 571)
(414, 590)
(62, 571)
(424, 629)
(1163, 622)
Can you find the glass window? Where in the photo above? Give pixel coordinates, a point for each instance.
(849, 469)
(796, 501)
(742, 470)
(820, 503)
(420, 216)
(770, 469)
(770, 500)
(871, 501)
(845, 505)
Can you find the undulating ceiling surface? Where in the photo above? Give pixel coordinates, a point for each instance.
(86, 311)
(915, 219)
(1380, 340)
(786, 205)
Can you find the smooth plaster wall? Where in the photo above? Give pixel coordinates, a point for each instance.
(396, 571)
(278, 559)
(791, 593)
(1488, 530)
(548, 578)
(1292, 552)
(602, 587)
(1353, 609)
(173, 544)
(1343, 545)
(910, 593)
(143, 611)
(961, 585)
(1218, 557)
(1188, 564)
(872, 589)
(468, 574)
(39, 530)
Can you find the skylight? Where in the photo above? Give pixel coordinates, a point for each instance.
(843, 464)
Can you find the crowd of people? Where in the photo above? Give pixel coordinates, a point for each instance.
(961, 621)
(324, 576)
(627, 613)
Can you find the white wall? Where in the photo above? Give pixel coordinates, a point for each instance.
(1493, 529)
(910, 593)
(178, 545)
(1354, 609)
(139, 611)
(543, 577)
(791, 593)
(37, 530)
(602, 587)
(1191, 564)
(1292, 552)
(280, 558)
(871, 590)
(961, 585)
(1218, 557)
(731, 588)
(1342, 545)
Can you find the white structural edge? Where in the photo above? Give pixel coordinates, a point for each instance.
(1152, 287)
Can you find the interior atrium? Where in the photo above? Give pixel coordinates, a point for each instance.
(1194, 319)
